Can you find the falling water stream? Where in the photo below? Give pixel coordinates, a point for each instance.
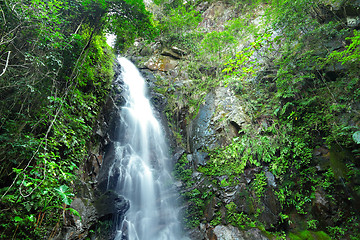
(141, 158)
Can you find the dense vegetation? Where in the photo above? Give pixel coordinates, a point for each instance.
(297, 75)
(56, 71)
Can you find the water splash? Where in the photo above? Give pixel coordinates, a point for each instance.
(143, 166)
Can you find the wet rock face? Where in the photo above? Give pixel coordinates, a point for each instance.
(201, 133)
(103, 178)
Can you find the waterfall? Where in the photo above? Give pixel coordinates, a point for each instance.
(142, 163)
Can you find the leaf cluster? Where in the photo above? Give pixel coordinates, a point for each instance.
(56, 72)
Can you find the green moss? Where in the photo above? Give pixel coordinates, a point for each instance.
(309, 235)
(337, 162)
(320, 235)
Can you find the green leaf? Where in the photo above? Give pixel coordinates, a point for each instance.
(16, 170)
(26, 184)
(356, 137)
(17, 219)
(64, 194)
(31, 218)
(73, 211)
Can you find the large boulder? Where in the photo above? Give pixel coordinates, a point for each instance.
(87, 213)
(111, 204)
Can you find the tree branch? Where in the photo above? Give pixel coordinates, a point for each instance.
(7, 63)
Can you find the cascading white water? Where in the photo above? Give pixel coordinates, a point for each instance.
(143, 164)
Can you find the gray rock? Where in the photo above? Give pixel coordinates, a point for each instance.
(200, 158)
(229, 232)
(321, 208)
(178, 184)
(243, 199)
(219, 120)
(158, 101)
(254, 234)
(103, 177)
(196, 234)
(146, 51)
(178, 154)
(353, 21)
(270, 179)
(78, 228)
(230, 107)
(86, 210)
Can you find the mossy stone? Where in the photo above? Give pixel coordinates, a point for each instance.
(309, 235)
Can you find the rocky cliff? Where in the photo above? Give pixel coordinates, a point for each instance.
(265, 144)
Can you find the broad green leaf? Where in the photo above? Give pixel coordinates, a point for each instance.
(73, 211)
(64, 194)
(356, 137)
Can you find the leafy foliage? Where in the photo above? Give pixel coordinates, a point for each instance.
(56, 72)
(213, 45)
(298, 79)
(178, 25)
